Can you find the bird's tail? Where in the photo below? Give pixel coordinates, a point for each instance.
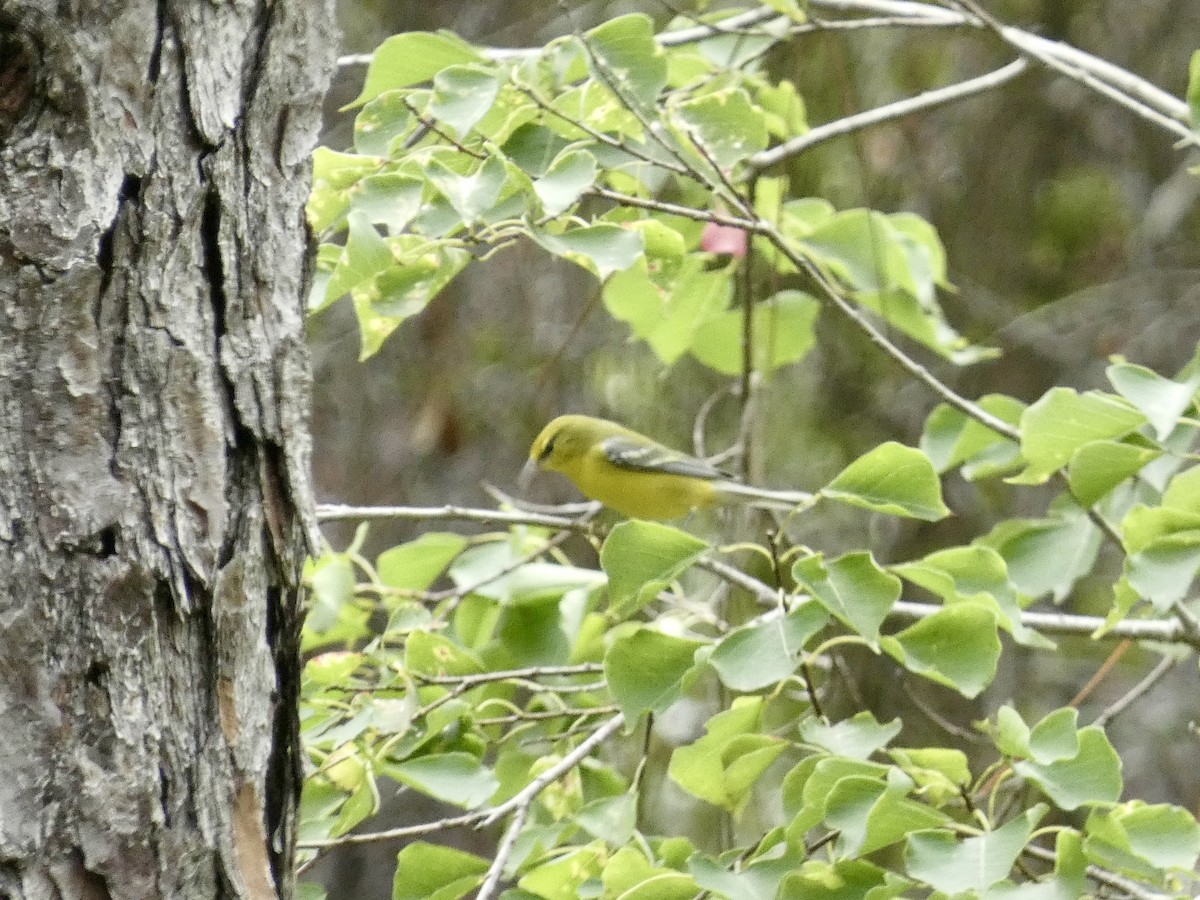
(764, 498)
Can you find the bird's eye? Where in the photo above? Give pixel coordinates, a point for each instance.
(548, 449)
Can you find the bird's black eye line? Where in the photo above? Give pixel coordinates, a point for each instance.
(548, 449)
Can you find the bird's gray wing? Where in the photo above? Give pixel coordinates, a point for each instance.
(639, 457)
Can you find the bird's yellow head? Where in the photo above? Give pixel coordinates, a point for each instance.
(561, 442)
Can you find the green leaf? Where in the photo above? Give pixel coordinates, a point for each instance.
(846, 879)
(365, 255)
(1070, 866)
(723, 766)
(1163, 571)
(783, 330)
(471, 195)
(630, 876)
(745, 760)
(1183, 493)
(726, 124)
(646, 669)
(565, 180)
(390, 199)
(1144, 525)
(957, 646)
(1055, 737)
(1011, 734)
(870, 814)
(641, 558)
(1046, 555)
(974, 573)
(362, 803)
(419, 270)
(416, 564)
(861, 248)
(1161, 400)
(624, 54)
(332, 579)
(894, 264)
(1091, 776)
(532, 148)
(433, 872)
(337, 171)
(852, 587)
(856, 738)
(529, 584)
(948, 864)
(333, 668)
(564, 875)
(758, 880)
(426, 653)
(462, 95)
(601, 249)
(381, 122)
(611, 819)
(456, 778)
(1166, 837)
(790, 8)
(1062, 421)
(951, 438)
(807, 787)
(669, 316)
(1099, 466)
(754, 656)
(411, 58)
(940, 773)
(893, 479)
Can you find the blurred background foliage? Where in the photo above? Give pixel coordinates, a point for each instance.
(1071, 232)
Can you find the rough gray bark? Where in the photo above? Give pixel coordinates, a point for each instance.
(154, 499)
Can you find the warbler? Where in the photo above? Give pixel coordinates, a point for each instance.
(639, 477)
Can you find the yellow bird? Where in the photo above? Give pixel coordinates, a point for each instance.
(639, 477)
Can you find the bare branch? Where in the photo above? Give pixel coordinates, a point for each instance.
(1165, 665)
(1170, 631)
(1136, 94)
(330, 512)
(527, 794)
(887, 112)
(880, 340)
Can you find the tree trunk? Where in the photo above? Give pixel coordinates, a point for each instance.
(154, 498)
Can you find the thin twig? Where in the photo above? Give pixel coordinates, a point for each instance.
(1098, 678)
(880, 340)
(528, 793)
(330, 512)
(503, 850)
(1169, 631)
(432, 126)
(606, 139)
(456, 594)
(1036, 49)
(1141, 96)
(1152, 678)
(754, 226)
(528, 673)
(938, 97)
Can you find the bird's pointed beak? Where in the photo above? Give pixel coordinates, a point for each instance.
(527, 472)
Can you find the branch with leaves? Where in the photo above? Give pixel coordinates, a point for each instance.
(660, 163)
